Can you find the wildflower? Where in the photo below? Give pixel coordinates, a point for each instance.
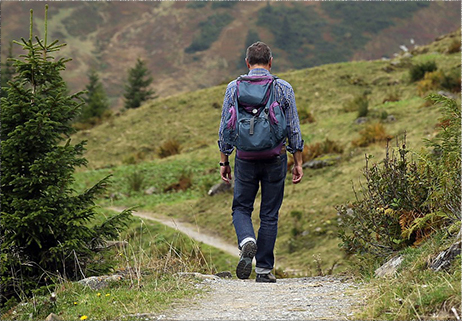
(108, 294)
(83, 317)
(99, 294)
(75, 303)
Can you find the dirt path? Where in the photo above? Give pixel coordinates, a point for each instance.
(190, 230)
(309, 298)
(313, 298)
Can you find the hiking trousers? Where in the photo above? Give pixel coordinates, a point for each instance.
(249, 175)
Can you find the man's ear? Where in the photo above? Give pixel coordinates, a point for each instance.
(270, 62)
(247, 63)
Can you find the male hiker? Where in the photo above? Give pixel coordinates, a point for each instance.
(259, 116)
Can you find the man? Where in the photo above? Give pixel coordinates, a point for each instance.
(269, 172)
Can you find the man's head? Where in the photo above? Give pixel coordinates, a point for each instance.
(259, 54)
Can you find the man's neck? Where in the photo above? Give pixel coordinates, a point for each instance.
(267, 67)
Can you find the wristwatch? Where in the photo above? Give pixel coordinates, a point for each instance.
(224, 164)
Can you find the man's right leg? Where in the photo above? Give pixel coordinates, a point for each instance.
(245, 189)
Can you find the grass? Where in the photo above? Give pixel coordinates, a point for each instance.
(75, 301)
(416, 292)
(322, 91)
(149, 262)
(307, 243)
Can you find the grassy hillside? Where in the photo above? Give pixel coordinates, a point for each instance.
(127, 147)
(195, 45)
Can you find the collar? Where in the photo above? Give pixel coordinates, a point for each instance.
(259, 72)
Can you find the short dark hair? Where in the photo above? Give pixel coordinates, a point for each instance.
(258, 53)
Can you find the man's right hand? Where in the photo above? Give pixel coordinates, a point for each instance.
(297, 174)
(225, 172)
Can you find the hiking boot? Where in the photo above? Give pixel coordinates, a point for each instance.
(266, 278)
(244, 267)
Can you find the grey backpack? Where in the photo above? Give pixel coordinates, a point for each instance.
(256, 121)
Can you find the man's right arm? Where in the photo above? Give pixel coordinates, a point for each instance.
(227, 101)
(225, 149)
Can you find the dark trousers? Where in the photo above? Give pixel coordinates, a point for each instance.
(249, 175)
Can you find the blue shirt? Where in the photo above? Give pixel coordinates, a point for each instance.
(284, 94)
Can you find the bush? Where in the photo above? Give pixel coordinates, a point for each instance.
(418, 71)
(184, 182)
(305, 116)
(136, 180)
(372, 133)
(169, 148)
(318, 149)
(454, 46)
(431, 81)
(359, 104)
(394, 195)
(403, 201)
(451, 81)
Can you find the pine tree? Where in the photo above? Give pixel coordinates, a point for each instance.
(47, 228)
(96, 102)
(7, 71)
(136, 92)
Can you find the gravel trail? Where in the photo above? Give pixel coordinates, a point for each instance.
(312, 298)
(193, 231)
(309, 298)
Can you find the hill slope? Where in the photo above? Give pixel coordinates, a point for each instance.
(127, 147)
(194, 45)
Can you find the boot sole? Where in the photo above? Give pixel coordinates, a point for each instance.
(244, 267)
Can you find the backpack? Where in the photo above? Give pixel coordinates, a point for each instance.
(256, 121)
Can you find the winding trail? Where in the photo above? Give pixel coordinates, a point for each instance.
(192, 231)
(308, 298)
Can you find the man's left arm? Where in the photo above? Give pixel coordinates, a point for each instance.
(296, 143)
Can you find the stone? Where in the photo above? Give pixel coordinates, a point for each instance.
(328, 160)
(447, 94)
(361, 120)
(221, 187)
(53, 317)
(390, 268)
(315, 164)
(444, 259)
(224, 275)
(390, 119)
(151, 190)
(198, 275)
(100, 282)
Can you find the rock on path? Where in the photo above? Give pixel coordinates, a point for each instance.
(311, 298)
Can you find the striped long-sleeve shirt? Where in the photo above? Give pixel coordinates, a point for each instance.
(284, 94)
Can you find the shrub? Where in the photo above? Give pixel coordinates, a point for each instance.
(184, 182)
(305, 116)
(394, 195)
(135, 180)
(451, 81)
(391, 96)
(417, 72)
(372, 133)
(318, 149)
(359, 104)
(454, 46)
(431, 81)
(403, 201)
(169, 148)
